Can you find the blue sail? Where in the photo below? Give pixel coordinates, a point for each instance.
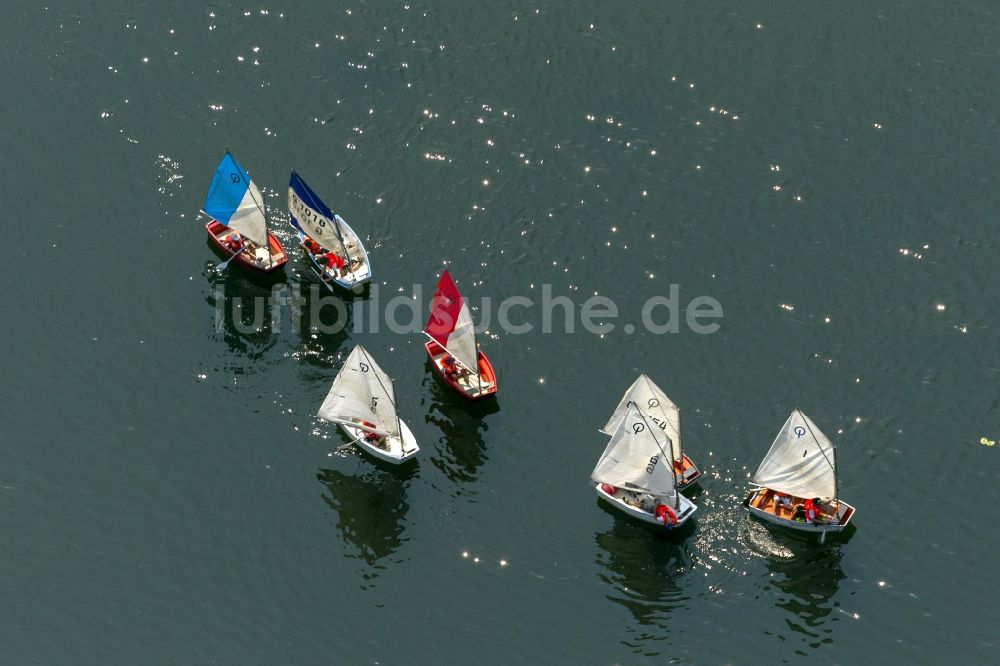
(234, 200)
(313, 217)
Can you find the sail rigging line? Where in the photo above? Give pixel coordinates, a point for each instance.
(452, 354)
(832, 464)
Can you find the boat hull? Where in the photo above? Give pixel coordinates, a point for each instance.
(761, 504)
(465, 387)
(399, 449)
(257, 261)
(617, 501)
(686, 473)
(360, 273)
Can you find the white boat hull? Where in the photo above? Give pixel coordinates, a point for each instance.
(361, 270)
(766, 513)
(684, 513)
(397, 450)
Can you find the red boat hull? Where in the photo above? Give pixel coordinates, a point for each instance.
(217, 231)
(471, 391)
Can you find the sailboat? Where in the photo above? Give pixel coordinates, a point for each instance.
(362, 401)
(665, 415)
(322, 234)
(634, 476)
(452, 346)
(799, 470)
(238, 224)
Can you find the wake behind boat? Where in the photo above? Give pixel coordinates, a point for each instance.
(796, 483)
(634, 477)
(335, 252)
(238, 227)
(665, 415)
(452, 346)
(362, 401)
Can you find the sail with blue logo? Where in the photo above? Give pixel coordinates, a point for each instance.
(801, 461)
(234, 200)
(313, 217)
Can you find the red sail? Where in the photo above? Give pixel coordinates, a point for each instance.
(444, 310)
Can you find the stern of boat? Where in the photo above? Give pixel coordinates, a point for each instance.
(618, 501)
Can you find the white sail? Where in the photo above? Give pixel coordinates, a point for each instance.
(655, 404)
(249, 217)
(635, 457)
(462, 341)
(362, 392)
(800, 462)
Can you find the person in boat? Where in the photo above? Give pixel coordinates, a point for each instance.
(312, 246)
(813, 511)
(450, 367)
(334, 263)
(234, 241)
(782, 501)
(374, 438)
(799, 513)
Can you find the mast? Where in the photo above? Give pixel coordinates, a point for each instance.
(399, 426)
(479, 375)
(679, 451)
(343, 246)
(836, 477)
(833, 463)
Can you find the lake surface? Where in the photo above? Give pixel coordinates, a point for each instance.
(826, 174)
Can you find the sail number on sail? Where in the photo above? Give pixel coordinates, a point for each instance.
(652, 402)
(301, 211)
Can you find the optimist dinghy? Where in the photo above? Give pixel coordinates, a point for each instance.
(238, 226)
(362, 401)
(633, 474)
(336, 254)
(796, 483)
(452, 346)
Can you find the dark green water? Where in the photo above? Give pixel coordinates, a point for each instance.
(826, 173)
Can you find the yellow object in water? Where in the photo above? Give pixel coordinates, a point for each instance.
(986, 442)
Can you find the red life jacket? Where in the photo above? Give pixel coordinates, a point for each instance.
(333, 261)
(812, 511)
